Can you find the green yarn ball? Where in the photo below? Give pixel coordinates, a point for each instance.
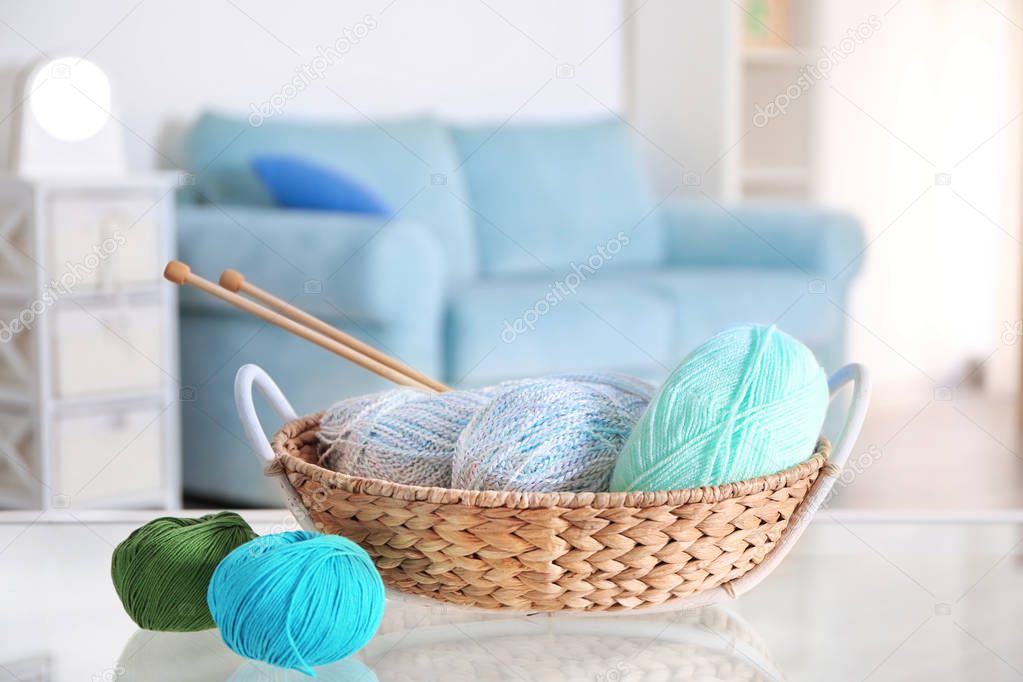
(749, 402)
(162, 570)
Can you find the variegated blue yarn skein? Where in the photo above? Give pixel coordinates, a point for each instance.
(749, 402)
(409, 437)
(403, 435)
(546, 435)
(631, 393)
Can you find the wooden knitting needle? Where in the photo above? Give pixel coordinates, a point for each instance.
(234, 281)
(179, 273)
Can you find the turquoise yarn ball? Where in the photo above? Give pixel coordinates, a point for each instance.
(348, 670)
(749, 402)
(297, 599)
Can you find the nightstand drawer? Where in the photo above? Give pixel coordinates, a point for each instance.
(112, 456)
(105, 242)
(108, 350)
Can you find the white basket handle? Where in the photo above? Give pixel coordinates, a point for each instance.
(857, 375)
(253, 376)
(248, 378)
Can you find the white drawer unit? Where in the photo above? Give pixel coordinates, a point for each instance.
(106, 243)
(17, 375)
(109, 349)
(89, 413)
(116, 453)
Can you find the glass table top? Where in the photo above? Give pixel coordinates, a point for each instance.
(860, 598)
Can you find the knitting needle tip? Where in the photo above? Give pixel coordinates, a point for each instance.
(176, 272)
(232, 280)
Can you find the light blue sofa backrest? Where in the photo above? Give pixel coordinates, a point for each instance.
(548, 196)
(409, 163)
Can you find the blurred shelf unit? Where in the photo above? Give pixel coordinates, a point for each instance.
(776, 98)
(89, 413)
(729, 90)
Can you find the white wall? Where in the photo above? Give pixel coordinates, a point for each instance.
(935, 90)
(453, 58)
(682, 87)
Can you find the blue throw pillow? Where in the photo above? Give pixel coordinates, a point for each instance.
(297, 183)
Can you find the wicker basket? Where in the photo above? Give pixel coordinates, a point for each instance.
(537, 552)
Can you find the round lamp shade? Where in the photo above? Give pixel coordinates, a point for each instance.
(70, 98)
(67, 126)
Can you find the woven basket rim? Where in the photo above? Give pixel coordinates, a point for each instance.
(284, 461)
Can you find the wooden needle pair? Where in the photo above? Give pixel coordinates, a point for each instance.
(278, 312)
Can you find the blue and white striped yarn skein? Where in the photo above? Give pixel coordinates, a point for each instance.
(631, 393)
(402, 435)
(544, 435)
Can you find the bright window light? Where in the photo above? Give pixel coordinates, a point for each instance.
(70, 98)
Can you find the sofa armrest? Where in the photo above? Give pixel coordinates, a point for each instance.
(335, 266)
(823, 243)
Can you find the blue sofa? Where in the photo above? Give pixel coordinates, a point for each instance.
(514, 250)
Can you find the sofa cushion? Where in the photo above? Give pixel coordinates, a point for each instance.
(707, 300)
(295, 182)
(337, 266)
(411, 164)
(641, 323)
(549, 195)
(526, 327)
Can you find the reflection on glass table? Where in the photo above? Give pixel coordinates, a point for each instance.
(859, 598)
(426, 642)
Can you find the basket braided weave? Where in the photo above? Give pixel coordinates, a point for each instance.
(547, 551)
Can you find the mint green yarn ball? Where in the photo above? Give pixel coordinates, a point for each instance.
(749, 402)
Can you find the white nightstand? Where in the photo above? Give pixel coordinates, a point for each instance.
(89, 412)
